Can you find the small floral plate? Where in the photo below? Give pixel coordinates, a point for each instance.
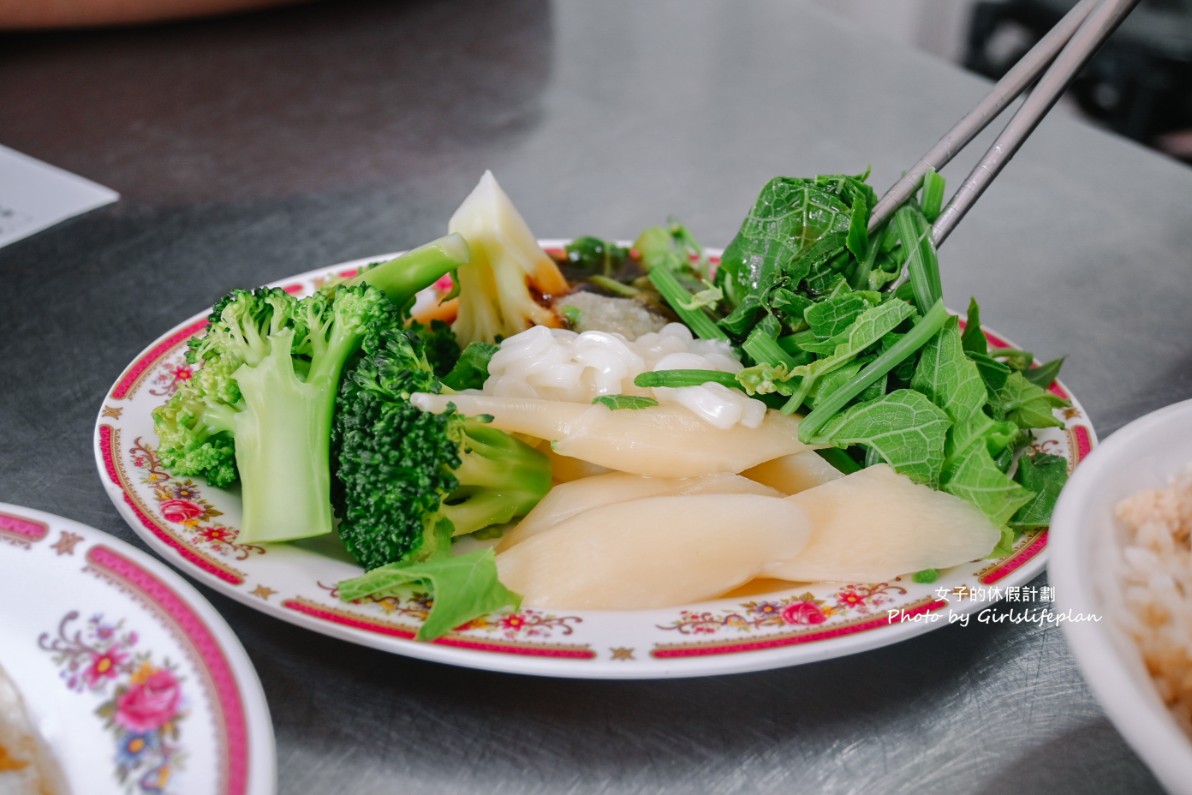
(131, 677)
(195, 527)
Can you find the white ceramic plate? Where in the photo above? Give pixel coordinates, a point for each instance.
(195, 528)
(133, 680)
(1141, 455)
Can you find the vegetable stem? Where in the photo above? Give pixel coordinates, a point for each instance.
(764, 349)
(679, 300)
(910, 342)
(923, 267)
(681, 378)
(402, 277)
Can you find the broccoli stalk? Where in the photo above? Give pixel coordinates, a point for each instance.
(500, 479)
(291, 353)
(402, 473)
(261, 405)
(403, 277)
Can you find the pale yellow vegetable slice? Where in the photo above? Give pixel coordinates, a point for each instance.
(661, 441)
(653, 552)
(564, 469)
(507, 268)
(568, 499)
(793, 473)
(875, 524)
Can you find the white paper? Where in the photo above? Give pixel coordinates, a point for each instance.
(35, 195)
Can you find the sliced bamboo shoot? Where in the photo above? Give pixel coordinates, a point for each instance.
(793, 473)
(661, 441)
(568, 499)
(875, 524)
(653, 552)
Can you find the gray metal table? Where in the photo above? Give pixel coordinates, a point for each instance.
(252, 148)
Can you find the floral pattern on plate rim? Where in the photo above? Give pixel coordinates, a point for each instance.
(175, 516)
(143, 700)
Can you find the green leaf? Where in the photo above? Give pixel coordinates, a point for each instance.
(953, 382)
(1045, 374)
(906, 429)
(908, 345)
(462, 588)
(834, 315)
(471, 369)
(975, 476)
(1028, 405)
(632, 402)
(973, 338)
(993, 372)
(790, 217)
(1044, 475)
(869, 327)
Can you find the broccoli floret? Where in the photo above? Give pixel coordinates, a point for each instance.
(440, 344)
(270, 368)
(259, 407)
(401, 472)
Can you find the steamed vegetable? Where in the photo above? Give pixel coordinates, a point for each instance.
(500, 286)
(875, 524)
(899, 435)
(850, 330)
(653, 552)
(568, 499)
(666, 441)
(271, 367)
(258, 409)
(403, 473)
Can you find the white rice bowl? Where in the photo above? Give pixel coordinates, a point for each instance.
(1087, 563)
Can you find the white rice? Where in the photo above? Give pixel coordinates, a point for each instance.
(1155, 573)
(558, 364)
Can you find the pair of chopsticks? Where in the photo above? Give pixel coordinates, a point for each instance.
(1062, 53)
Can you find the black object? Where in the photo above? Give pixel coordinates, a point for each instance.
(1138, 85)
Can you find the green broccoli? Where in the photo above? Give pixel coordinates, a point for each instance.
(259, 407)
(402, 473)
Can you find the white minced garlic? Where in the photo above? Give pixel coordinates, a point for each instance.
(558, 364)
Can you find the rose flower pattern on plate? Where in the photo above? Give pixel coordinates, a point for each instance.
(142, 700)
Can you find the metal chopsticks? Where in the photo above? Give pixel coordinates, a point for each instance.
(1062, 53)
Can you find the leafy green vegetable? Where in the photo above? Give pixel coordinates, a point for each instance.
(906, 346)
(471, 368)
(461, 587)
(973, 475)
(1027, 405)
(903, 427)
(922, 266)
(953, 382)
(851, 330)
(690, 311)
(592, 255)
(1044, 475)
(632, 402)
